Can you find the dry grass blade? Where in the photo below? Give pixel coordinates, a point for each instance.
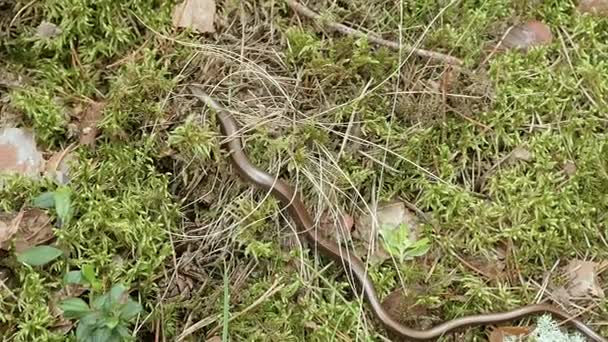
(307, 12)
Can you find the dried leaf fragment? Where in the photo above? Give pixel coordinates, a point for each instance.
(335, 226)
(35, 229)
(599, 7)
(8, 228)
(502, 334)
(18, 152)
(28, 228)
(198, 15)
(58, 167)
(528, 35)
(89, 123)
(47, 30)
(583, 279)
(393, 214)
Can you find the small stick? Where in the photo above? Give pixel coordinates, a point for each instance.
(307, 12)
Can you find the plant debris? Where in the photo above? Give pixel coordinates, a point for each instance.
(48, 30)
(198, 15)
(598, 7)
(18, 153)
(583, 279)
(58, 168)
(503, 334)
(89, 120)
(526, 36)
(335, 227)
(390, 215)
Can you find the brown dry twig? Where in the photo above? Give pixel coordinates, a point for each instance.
(307, 12)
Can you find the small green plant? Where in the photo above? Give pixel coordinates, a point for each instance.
(106, 317)
(59, 199)
(397, 242)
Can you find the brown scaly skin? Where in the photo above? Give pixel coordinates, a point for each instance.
(298, 212)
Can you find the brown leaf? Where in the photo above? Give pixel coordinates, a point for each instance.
(569, 168)
(366, 231)
(599, 7)
(583, 279)
(402, 306)
(89, 123)
(70, 290)
(28, 228)
(336, 226)
(493, 268)
(57, 166)
(500, 334)
(8, 228)
(35, 228)
(18, 152)
(526, 36)
(198, 15)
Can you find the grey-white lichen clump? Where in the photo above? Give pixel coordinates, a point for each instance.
(547, 330)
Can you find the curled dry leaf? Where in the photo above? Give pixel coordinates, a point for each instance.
(198, 15)
(525, 36)
(35, 229)
(402, 306)
(29, 228)
(70, 290)
(335, 226)
(599, 7)
(18, 153)
(493, 267)
(583, 279)
(89, 121)
(8, 228)
(57, 166)
(503, 334)
(391, 214)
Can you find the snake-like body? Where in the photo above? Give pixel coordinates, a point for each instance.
(353, 265)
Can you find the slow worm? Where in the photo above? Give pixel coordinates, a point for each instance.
(298, 213)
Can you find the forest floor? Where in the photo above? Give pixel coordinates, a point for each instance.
(467, 189)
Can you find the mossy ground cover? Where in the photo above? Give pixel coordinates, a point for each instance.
(157, 207)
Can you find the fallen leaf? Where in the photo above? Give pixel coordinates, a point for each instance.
(583, 279)
(569, 168)
(391, 214)
(67, 291)
(89, 123)
(493, 267)
(599, 7)
(402, 306)
(335, 226)
(18, 153)
(520, 153)
(8, 230)
(34, 229)
(47, 30)
(504, 334)
(198, 15)
(57, 167)
(525, 36)
(214, 339)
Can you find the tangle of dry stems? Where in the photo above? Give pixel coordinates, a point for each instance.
(307, 12)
